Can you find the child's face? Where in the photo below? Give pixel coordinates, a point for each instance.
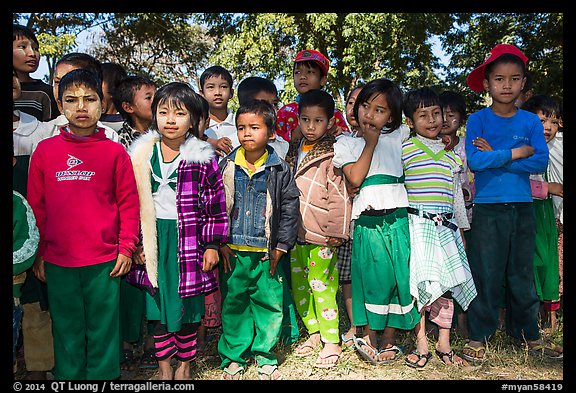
(314, 123)
(82, 107)
(427, 121)
(141, 106)
(307, 78)
(268, 97)
(25, 55)
(550, 124)
(173, 122)
(252, 132)
(217, 92)
(452, 121)
(374, 114)
(350, 108)
(61, 70)
(505, 82)
(107, 100)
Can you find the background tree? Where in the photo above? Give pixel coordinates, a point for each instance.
(361, 46)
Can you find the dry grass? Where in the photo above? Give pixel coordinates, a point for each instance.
(505, 360)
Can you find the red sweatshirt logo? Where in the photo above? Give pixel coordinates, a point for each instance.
(74, 175)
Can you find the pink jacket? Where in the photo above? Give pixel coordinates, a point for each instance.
(325, 207)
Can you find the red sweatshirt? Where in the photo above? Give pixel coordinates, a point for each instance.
(83, 193)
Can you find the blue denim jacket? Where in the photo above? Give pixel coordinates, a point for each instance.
(282, 215)
(248, 216)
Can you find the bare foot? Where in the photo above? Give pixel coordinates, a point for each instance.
(328, 356)
(307, 348)
(182, 372)
(165, 372)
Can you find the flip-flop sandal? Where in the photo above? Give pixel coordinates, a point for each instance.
(319, 364)
(128, 362)
(393, 348)
(304, 349)
(416, 364)
(360, 344)
(347, 342)
(546, 348)
(474, 358)
(449, 355)
(228, 374)
(148, 360)
(266, 373)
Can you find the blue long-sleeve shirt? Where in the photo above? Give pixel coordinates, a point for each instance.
(498, 179)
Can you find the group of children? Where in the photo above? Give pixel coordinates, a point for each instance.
(246, 218)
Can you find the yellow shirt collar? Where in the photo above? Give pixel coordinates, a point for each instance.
(240, 160)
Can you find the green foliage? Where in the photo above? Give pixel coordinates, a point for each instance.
(360, 46)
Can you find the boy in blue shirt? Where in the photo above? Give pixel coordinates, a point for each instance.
(504, 145)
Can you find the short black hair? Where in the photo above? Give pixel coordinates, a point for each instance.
(126, 90)
(79, 77)
(112, 74)
(84, 61)
(317, 97)
(545, 104)
(215, 71)
(455, 101)
(23, 31)
(393, 96)
(504, 59)
(261, 108)
(253, 85)
(420, 98)
(178, 94)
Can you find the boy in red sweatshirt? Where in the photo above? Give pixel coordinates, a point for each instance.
(83, 193)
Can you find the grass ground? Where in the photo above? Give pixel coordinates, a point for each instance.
(505, 360)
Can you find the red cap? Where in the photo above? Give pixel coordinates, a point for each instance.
(476, 77)
(316, 57)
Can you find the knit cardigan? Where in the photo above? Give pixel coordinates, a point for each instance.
(201, 206)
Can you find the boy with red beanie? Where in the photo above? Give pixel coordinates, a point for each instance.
(310, 72)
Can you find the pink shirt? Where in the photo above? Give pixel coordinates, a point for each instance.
(83, 193)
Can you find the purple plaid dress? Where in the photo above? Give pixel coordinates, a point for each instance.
(202, 222)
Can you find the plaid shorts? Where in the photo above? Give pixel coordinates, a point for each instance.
(344, 256)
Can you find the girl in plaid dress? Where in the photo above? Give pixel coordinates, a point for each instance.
(439, 269)
(183, 222)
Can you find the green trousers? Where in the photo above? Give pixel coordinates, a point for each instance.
(314, 287)
(252, 310)
(84, 304)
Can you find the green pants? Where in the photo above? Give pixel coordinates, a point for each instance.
(132, 312)
(252, 310)
(84, 303)
(314, 287)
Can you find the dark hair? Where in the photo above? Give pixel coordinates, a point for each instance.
(393, 97)
(309, 64)
(261, 108)
(126, 90)
(84, 61)
(79, 77)
(547, 105)
(205, 108)
(178, 94)
(215, 71)
(318, 98)
(253, 85)
(455, 101)
(504, 59)
(420, 98)
(352, 91)
(112, 74)
(23, 31)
